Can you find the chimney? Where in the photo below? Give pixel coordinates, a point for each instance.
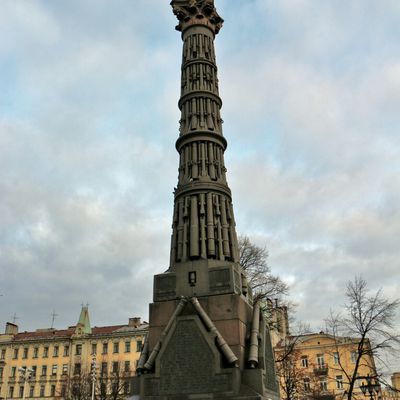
(135, 322)
(396, 380)
(11, 329)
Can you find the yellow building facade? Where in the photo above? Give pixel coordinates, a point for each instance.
(51, 358)
(393, 391)
(319, 366)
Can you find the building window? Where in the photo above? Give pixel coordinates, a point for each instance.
(22, 371)
(115, 367)
(31, 391)
(45, 351)
(127, 366)
(63, 390)
(339, 382)
(139, 346)
(115, 347)
(323, 385)
(114, 389)
(21, 391)
(320, 361)
(33, 373)
(65, 369)
(353, 356)
(357, 382)
(103, 389)
(52, 390)
(103, 370)
(336, 358)
(127, 347)
(3, 354)
(105, 348)
(304, 361)
(11, 391)
(75, 391)
(41, 391)
(35, 352)
(78, 349)
(44, 370)
(66, 350)
(1, 372)
(25, 353)
(94, 348)
(13, 372)
(55, 351)
(15, 356)
(54, 370)
(77, 368)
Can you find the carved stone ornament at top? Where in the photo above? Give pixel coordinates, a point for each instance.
(194, 12)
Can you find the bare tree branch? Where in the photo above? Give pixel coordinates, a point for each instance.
(253, 260)
(369, 321)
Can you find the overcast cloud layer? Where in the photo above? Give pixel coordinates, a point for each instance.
(88, 121)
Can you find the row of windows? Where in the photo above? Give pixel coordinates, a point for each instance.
(34, 371)
(320, 359)
(323, 383)
(45, 353)
(42, 391)
(75, 390)
(114, 389)
(78, 350)
(115, 347)
(77, 369)
(115, 367)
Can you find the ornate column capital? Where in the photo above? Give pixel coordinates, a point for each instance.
(196, 12)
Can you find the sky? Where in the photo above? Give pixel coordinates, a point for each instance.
(88, 123)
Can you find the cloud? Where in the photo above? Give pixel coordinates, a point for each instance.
(317, 94)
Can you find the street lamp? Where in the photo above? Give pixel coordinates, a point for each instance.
(93, 373)
(26, 375)
(370, 387)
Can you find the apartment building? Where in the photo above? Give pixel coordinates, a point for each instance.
(46, 363)
(317, 366)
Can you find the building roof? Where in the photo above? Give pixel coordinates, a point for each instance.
(68, 333)
(309, 337)
(81, 329)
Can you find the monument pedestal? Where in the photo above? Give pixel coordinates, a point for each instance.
(200, 359)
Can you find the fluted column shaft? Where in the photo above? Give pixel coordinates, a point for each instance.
(203, 224)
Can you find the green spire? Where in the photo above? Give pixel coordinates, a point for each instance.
(83, 325)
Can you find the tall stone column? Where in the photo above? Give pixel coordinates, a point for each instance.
(206, 338)
(203, 224)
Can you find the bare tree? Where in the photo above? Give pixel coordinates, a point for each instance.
(115, 385)
(291, 375)
(369, 320)
(253, 260)
(109, 385)
(77, 386)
